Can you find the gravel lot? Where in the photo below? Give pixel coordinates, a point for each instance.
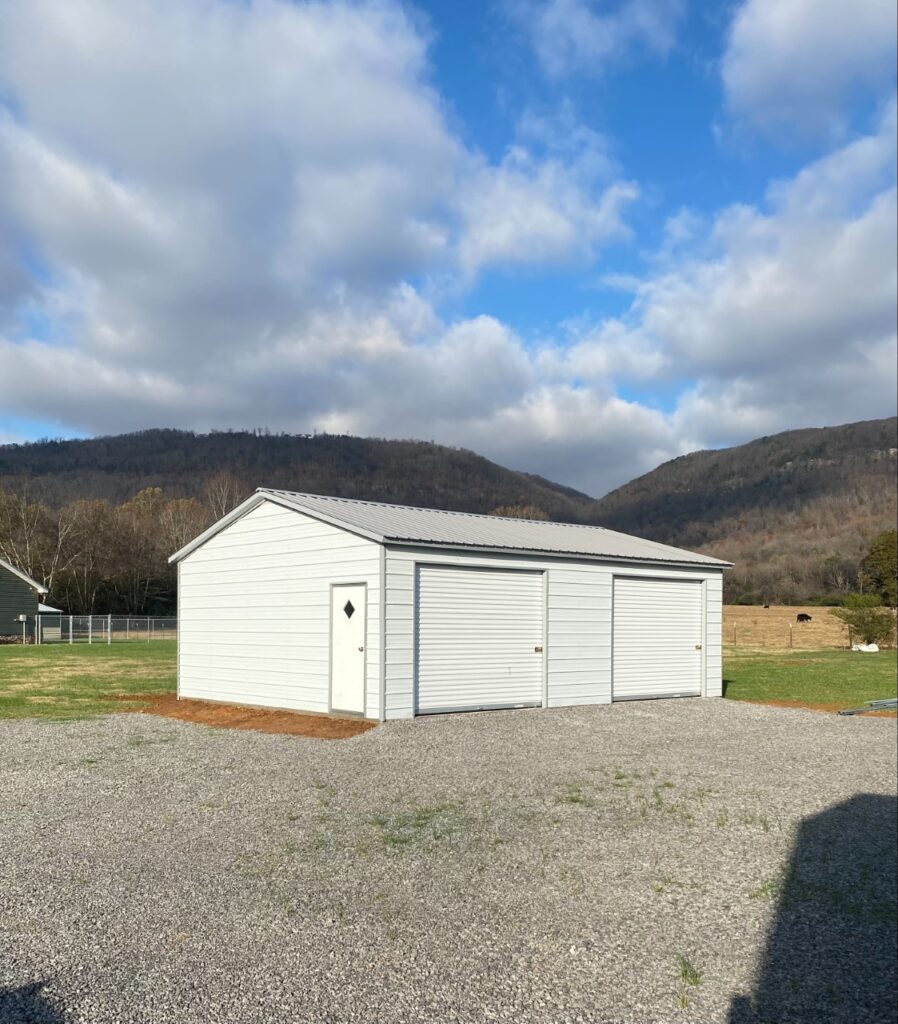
(660, 861)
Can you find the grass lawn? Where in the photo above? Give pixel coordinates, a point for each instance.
(59, 681)
(79, 681)
(828, 679)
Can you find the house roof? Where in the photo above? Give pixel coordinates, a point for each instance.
(402, 524)
(27, 579)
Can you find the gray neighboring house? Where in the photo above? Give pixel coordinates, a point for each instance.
(19, 595)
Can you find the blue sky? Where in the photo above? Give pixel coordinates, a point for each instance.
(578, 237)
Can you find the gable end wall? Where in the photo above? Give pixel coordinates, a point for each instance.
(254, 611)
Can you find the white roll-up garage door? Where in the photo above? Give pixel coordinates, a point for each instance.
(657, 643)
(479, 638)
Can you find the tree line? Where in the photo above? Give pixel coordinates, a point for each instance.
(96, 556)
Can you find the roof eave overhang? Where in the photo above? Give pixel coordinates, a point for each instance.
(23, 577)
(400, 542)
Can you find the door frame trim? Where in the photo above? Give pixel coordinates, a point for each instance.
(330, 652)
(703, 604)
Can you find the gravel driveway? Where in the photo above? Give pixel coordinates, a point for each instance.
(659, 861)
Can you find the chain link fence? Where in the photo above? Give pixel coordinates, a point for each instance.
(104, 629)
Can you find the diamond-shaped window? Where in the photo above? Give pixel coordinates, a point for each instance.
(349, 608)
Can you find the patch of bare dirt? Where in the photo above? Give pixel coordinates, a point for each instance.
(831, 707)
(234, 716)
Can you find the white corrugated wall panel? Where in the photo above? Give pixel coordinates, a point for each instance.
(254, 608)
(658, 633)
(579, 635)
(578, 631)
(480, 638)
(714, 636)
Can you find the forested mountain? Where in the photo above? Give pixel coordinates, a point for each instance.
(796, 511)
(96, 519)
(183, 463)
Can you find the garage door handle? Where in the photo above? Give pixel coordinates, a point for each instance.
(698, 647)
(538, 649)
(361, 648)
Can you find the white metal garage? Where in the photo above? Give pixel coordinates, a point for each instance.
(331, 605)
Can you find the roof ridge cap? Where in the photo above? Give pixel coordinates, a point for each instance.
(424, 508)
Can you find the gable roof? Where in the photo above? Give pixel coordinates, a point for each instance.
(26, 579)
(405, 525)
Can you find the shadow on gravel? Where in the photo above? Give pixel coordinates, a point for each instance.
(27, 1005)
(831, 952)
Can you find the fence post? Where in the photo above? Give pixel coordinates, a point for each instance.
(90, 629)
(70, 629)
(127, 629)
(37, 630)
(148, 629)
(109, 628)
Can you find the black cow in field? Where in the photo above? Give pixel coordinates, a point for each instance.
(802, 617)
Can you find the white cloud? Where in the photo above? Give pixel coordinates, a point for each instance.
(223, 206)
(785, 315)
(572, 36)
(546, 208)
(792, 65)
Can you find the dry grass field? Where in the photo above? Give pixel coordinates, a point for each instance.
(754, 626)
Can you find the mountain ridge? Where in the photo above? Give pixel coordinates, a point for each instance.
(114, 467)
(795, 511)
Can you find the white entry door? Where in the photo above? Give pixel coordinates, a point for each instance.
(348, 620)
(657, 639)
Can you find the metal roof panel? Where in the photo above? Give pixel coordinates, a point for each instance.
(404, 524)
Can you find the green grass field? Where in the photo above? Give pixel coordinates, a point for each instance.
(835, 679)
(62, 682)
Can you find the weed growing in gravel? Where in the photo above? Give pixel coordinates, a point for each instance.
(681, 813)
(573, 794)
(723, 818)
(701, 794)
(147, 741)
(767, 889)
(761, 820)
(323, 792)
(689, 978)
(689, 974)
(666, 883)
(403, 828)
